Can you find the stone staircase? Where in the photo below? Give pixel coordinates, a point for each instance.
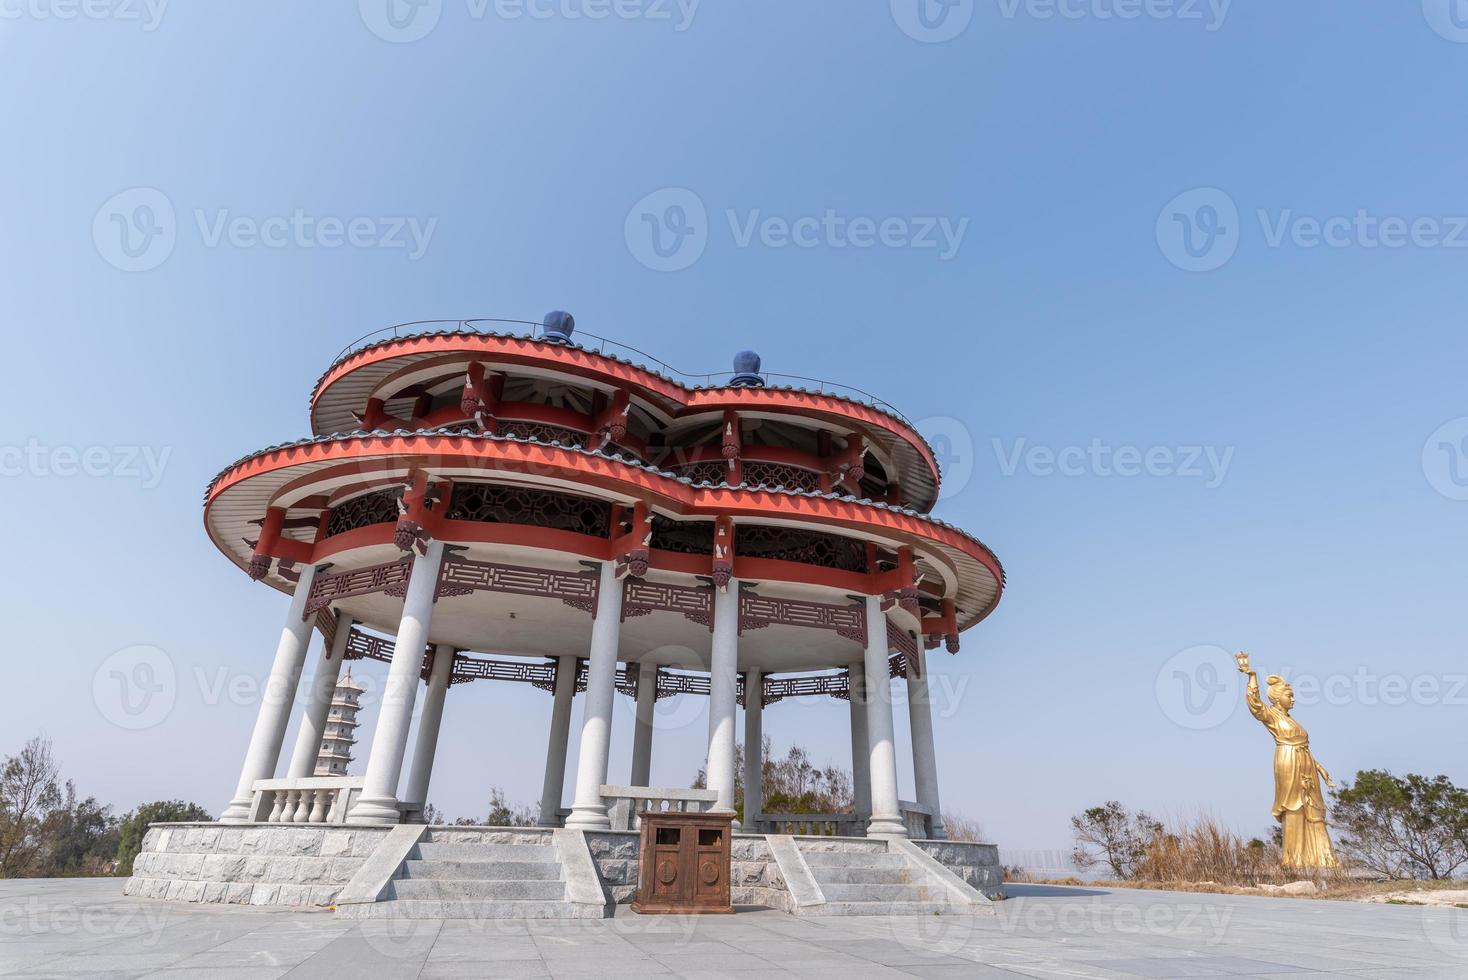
(478, 874)
(864, 877)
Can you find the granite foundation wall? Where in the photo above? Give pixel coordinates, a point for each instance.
(976, 864)
(755, 878)
(250, 864)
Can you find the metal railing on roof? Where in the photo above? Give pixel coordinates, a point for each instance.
(613, 348)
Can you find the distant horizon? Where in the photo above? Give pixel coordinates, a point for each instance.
(1177, 300)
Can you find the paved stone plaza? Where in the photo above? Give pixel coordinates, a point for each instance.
(86, 927)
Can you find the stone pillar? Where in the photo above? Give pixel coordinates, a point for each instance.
(861, 781)
(429, 722)
(886, 818)
(378, 803)
(275, 702)
(723, 690)
(924, 761)
(647, 702)
(559, 741)
(588, 812)
(754, 746)
(323, 686)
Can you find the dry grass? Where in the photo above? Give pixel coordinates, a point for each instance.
(1340, 888)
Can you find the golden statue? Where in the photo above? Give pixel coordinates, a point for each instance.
(1299, 805)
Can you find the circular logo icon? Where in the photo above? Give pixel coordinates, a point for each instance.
(1449, 18)
(1445, 459)
(136, 229)
(135, 688)
(1447, 930)
(1198, 688)
(668, 230)
(953, 449)
(933, 21)
(1198, 231)
(400, 21)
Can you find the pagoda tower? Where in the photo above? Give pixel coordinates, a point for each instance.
(340, 733)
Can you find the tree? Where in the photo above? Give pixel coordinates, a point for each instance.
(1409, 827)
(134, 825)
(29, 791)
(1113, 835)
(81, 838)
(503, 814)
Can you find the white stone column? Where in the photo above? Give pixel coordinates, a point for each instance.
(924, 760)
(861, 748)
(319, 693)
(588, 812)
(647, 703)
(558, 742)
(886, 812)
(429, 722)
(754, 746)
(275, 701)
(723, 696)
(378, 803)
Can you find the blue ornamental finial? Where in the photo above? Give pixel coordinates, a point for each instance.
(746, 371)
(558, 327)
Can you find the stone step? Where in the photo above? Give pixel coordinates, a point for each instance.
(884, 909)
(878, 894)
(853, 859)
(434, 909)
(482, 870)
(486, 852)
(465, 890)
(833, 875)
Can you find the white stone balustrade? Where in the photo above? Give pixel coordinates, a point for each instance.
(626, 804)
(918, 819)
(307, 800)
(812, 824)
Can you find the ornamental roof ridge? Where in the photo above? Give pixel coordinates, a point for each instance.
(615, 457)
(888, 411)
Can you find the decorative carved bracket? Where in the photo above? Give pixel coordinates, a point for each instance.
(389, 578)
(757, 612)
(640, 598)
(463, 576)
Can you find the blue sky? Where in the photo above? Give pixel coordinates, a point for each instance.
(1082, 165)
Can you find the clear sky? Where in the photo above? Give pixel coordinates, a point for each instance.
(1177, 287)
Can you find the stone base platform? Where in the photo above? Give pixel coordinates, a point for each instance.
(495, 872)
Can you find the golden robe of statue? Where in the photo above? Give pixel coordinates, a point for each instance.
(1299, 805)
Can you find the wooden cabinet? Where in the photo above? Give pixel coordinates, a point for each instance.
(684, 864)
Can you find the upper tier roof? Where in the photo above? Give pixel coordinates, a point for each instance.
(363, 367)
